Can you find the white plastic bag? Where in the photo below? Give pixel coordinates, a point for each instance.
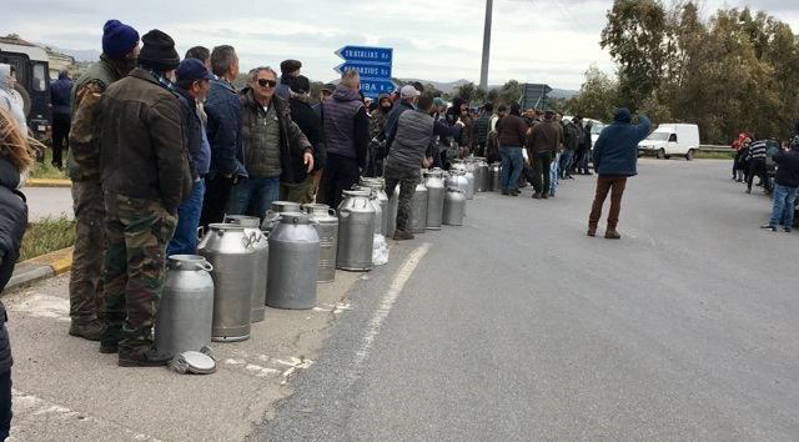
(380, 251)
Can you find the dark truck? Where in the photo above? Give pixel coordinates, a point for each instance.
(31, 65)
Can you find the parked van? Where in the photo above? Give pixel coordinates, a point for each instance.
(672, 139)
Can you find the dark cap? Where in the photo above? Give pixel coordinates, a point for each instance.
(301, 85)
(158, 51)
(192, 69)
(287, 66)
(330, 87)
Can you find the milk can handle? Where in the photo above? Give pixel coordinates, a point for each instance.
(331, 211)
(207, 266)
(200, 232)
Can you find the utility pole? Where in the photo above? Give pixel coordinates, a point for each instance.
(486, 46)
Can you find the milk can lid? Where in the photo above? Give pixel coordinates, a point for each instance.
(294, 218)
(241, 220)
(285, 206)
(357, 192)
(193, 362)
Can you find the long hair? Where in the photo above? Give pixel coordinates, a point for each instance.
(14, 145)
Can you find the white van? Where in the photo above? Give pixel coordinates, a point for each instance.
(672, 139)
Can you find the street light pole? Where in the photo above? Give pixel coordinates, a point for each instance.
(486, 46)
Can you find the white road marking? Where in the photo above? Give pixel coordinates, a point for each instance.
(29, 410)
(389, 299)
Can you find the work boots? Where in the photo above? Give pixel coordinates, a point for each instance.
(91, 330)
(612, 234)
(403, 235)
(142, 356)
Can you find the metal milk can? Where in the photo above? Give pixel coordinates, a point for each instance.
(393, 206)
(418, 218)
(454, 207)
(260, 271)
(496, 177)
(379, 214)
(457, 178)
(229, 250)
(326, 224)
(470, 178)
(273, 214)
(482, 175)
(378, 185)
(183, 321)
(293, 263)
(434, 182)
(356, 216)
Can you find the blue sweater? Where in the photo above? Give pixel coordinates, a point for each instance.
(616, 150)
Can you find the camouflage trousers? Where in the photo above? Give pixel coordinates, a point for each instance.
(302, 192)
(138, 232)
(86, 282)
(408, 179)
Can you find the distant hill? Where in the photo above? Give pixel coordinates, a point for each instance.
(450, 87)
(79, 55)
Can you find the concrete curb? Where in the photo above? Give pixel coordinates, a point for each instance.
(41, 182)
(41, 267)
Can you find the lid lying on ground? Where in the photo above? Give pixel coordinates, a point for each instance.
(193, 362)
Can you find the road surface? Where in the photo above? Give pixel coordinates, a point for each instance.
(51, 202)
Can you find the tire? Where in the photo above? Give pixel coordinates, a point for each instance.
(661, 154)
(690, 155)
(26, 99)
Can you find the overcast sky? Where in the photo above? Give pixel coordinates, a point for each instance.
(548, 41)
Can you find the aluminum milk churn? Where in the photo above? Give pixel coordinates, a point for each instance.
(356, 216)
(483, 176)
(454, 207)
(326, 223)
(260, 271)
(183, 321)
(419, 209)
(496, 177)
(457, 178)
(229, 250)
(393, 206)
(379, 214)
(378, 186)
(293, 261)
(434, 182)
(273, 214)
(470, 181)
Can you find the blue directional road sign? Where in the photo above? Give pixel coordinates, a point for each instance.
(366, 70)
(373, 65)
(366, 54)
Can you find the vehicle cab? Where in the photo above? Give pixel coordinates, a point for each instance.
(671, 139)
(31, 66)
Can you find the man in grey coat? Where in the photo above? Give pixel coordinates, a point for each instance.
(405, 159)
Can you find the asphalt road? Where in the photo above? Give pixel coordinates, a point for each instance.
(50, 202)
(518, 327)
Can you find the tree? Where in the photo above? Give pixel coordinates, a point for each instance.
(509, 93)
(597, 98)
(469, 92)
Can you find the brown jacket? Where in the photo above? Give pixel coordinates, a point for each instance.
(511, 131)
(545, 137)
(142, 144)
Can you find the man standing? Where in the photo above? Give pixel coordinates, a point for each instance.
(60, 99)
(481, 128)
(785, 189)
(273, 146)
(511, 132)
(585, 150)
(224, 134)
(193, 84)
(544, 141)
(408, 96)
(413, 137)
(615, 159)
(145, 176)
(756, 160)
(302, 188)
(346, 131)
(120, 49)
(377, 143)
(289, 70)
(571, 138)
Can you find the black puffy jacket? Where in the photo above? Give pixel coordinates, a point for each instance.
(13, 222)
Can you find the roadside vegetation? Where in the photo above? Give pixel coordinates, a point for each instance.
(46, 170)
(47, 235)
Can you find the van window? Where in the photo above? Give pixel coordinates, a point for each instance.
(658, 136)
(39, 74)
(673, 138)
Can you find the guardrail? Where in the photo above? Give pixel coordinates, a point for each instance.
(714, 148)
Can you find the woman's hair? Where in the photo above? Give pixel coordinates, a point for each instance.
(14, 145)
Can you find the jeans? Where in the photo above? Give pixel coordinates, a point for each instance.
(565, 166)
(604, 184)
(554, 174)
(185, 240)
(541, 165)
(253, 196)
(512, 163)
(784, 199)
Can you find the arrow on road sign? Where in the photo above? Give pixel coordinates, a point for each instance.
(366, 70)
(366, 54)
(373, 88)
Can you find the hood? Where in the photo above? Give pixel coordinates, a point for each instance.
(343, 93)
(5, 74)
(9, 175)
(622, 115)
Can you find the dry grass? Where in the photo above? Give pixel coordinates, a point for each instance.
(47, 235)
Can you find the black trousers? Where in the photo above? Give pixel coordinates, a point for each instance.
(61, 126)
(757, 167)
(217, 195)
(5, 404)
(541, 164)
(340, 174)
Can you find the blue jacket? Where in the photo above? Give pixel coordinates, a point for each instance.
(616, 150)
(61, 95)
(224, 129)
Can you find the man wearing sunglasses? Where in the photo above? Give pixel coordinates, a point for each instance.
(272, 144)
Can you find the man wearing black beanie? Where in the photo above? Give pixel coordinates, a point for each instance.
(145, 176)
